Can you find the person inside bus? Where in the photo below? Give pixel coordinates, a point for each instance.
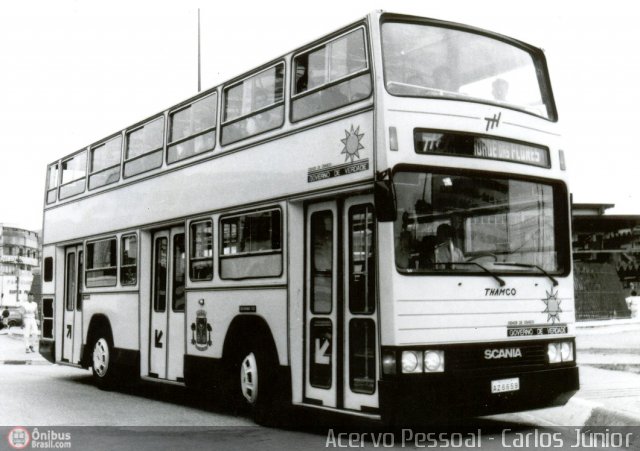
(500, 89)
(445, 250)
(426, 253)
(404, 250)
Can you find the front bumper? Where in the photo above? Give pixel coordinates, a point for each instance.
(449, 396)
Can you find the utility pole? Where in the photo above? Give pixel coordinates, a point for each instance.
(199, 78)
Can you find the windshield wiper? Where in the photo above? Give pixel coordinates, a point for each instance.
(528, 265)
(500, 281)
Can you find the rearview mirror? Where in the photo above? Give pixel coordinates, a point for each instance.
(384, 197)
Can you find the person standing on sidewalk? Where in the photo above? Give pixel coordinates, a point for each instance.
(29, 311)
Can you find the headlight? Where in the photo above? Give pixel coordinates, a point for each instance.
(560, 352)
(566, 351)
(411, 363)
(434, 361)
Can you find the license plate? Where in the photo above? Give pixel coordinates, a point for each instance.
(504, 385)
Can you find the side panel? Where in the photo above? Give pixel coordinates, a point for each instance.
(122, 311)
(334, 154)
(209, 314)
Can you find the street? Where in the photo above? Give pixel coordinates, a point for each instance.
(44, 397)
(151, 416)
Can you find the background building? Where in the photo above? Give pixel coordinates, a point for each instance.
(19, 256)
(606, 254)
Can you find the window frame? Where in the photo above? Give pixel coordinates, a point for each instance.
(174, 272)
(313, 271)
(161, 149)
(226, 87)
(121, 265)
(84, 177)
(86, 257)
(324, 43)
(534, 51)
(53, 189)
(191, 248)
(366, 208)
(91, 172)
(213, 128)
(561, 206)
(279, 251)
(155, 292)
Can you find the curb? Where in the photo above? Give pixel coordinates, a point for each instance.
(24, 362)
(580, 412)
(606, 416)
(631, 323)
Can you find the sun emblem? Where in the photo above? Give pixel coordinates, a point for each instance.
(352, 144)
(553, 307)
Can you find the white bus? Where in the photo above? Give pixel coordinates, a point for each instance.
(376, 223)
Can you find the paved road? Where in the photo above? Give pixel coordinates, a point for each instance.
(158, 417)
(58, 395)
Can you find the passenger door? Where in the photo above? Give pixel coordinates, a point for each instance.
(72, 316)
(167, 331)
(341, 351)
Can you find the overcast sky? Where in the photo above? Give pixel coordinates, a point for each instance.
(73, 72)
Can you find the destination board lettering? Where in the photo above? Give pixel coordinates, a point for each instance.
(337, 171)
(532, 331)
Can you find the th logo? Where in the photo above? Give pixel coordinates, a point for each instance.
(493, 122)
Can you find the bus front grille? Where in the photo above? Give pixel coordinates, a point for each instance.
(496, 356)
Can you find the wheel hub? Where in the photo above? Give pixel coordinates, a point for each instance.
(249, 378)
(101, 357)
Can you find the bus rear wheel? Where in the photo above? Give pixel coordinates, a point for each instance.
(102, 362)
(249, 379)
(256, 386)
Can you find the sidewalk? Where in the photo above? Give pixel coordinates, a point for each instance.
(608, 353)
(12, 350)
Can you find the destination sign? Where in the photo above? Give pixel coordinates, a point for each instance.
(324, 173)
(464, 145)
(532, 331)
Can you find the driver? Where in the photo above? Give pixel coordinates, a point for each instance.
(445, 250)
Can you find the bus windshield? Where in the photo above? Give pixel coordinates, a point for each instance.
(472, 223)
(433, 61)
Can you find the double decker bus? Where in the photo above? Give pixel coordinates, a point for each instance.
(375, 223)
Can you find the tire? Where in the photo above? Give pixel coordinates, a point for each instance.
(256, 387)
(102, 365)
